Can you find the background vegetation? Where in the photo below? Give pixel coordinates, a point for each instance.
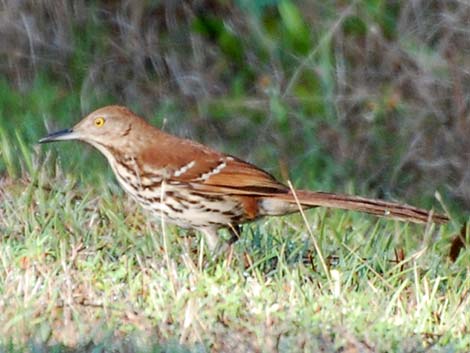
(365, 96)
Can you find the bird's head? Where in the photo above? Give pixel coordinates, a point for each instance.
(106, 127)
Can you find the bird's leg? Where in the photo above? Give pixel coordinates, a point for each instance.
(211, 238)
(235, 231)
(218, 247)
(188, 239)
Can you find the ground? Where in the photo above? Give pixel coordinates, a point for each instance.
(84, 267)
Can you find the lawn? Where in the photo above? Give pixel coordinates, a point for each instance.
(83, 266)
(368, 97)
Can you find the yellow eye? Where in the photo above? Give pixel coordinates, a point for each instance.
(99, 122)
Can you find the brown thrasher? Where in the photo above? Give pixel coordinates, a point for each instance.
(194, 186)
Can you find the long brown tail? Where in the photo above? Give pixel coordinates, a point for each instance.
(361, 204)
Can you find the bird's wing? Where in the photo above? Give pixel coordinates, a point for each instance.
(211, 171)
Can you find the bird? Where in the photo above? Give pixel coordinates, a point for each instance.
(194, 186)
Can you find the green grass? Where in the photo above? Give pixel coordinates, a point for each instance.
(81, 263)
(358, 95)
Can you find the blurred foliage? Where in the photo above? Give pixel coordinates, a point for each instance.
(370, 93)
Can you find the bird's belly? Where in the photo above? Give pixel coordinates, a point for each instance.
(186, 208)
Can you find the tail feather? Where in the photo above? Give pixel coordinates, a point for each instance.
(361, 204)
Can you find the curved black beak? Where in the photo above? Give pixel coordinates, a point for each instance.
(67, 134)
